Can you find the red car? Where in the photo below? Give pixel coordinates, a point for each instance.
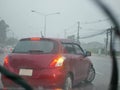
(48, 62)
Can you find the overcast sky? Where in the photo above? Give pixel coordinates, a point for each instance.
(24, 23)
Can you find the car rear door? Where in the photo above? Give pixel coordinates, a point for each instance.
(83, 63)
(73, 60)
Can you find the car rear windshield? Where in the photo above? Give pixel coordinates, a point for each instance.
(40, 46)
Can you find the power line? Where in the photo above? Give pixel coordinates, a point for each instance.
(98, 21)
(91, 22)
(96, 34)
(93, 35)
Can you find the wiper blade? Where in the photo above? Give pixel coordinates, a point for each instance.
(114, 77)
(15, 78)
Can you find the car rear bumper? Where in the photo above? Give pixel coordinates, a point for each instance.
(43, 78)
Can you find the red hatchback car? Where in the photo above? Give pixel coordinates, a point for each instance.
(48, 62)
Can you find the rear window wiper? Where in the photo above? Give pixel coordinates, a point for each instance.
(36, 51)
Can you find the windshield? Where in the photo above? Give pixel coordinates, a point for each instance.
(89, 60)
(42, 46)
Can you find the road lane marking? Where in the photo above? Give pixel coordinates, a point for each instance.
(99, 73)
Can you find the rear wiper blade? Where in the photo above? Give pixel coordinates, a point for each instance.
(36, 51)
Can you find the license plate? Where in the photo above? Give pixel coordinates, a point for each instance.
(26, 72)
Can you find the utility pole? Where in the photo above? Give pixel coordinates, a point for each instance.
(78, 37)
(106, 42)
(42, 35)
(111, 34)
(65, 32)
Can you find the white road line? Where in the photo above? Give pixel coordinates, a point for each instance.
(99, 73)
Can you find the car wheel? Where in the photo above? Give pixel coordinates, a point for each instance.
(91, 75)
(68, 83)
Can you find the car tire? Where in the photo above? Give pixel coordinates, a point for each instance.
(91, 75)
(68, 83)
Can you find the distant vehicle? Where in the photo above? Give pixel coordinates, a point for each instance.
(49, 62)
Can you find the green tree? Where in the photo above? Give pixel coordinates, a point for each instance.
(3, 30)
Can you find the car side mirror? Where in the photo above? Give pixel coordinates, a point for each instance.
(87, 53)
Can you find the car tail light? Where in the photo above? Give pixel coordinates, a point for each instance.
(58, 62)
(6, 60)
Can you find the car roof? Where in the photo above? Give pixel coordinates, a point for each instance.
(62, 40)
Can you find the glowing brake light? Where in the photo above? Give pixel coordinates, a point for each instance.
(57, 62)
(35, 39)
(6, 60)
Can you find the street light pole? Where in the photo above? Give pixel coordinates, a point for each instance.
(45, 19)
